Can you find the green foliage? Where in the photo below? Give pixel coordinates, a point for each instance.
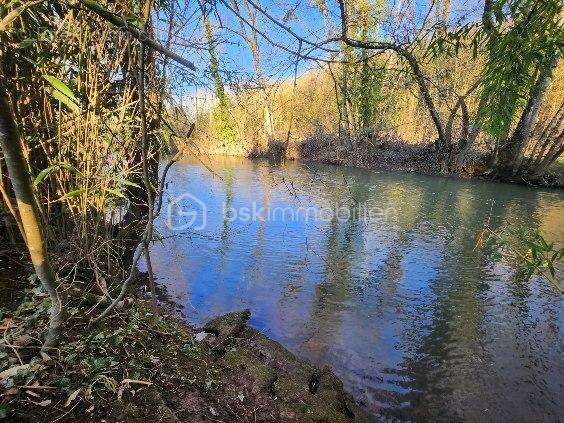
(3, 411)
(222, 113)
(95, 365)
(52, 169)
(193, 350)
(520, 49)
(367, 93)
(528, 248)
(117, 181)
(450, 43)
(364, 83)
(63, 382)
(60, 91)
(223, 123)
(536, 254)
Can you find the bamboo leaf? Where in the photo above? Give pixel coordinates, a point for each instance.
(26, 43)
(44, 173)
(60, 86)
(53, 168)
(62, 93)
(65, 100)
(72, 194)
(114, 192)
(128, 183)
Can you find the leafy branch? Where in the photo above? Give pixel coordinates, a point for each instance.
(528, 248)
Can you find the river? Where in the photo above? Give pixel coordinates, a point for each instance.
(377, 275)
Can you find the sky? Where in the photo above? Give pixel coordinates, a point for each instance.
(302, 16)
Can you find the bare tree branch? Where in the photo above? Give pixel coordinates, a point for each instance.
(142, 36)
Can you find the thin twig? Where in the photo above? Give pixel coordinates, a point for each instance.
(142, 36)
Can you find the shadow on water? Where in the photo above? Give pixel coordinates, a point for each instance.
(419, 324)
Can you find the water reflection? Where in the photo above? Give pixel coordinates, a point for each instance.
(418, 323)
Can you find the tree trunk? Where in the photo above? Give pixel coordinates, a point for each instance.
(222, 113)
(10, 206)
(445, 12)
(546, 140)
(442, 144)
(465, 144)
(345, 92)
(511, 156)
(553, 154)
(21, 183)
(253, 44)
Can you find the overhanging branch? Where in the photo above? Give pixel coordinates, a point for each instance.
(142, 36)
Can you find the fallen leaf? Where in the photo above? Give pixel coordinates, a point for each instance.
(120, 392)
(23, 341)
(46, 357)
(72, 397)
(12, 391)
(42, 403)
(6, 323)
(12, 371)
(135, 381)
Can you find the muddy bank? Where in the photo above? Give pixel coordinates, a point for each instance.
(334, 150)
(387, 156)
(146, 365)
(406, 157)
(396, 156)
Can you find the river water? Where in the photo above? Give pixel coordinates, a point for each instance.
(377, 275)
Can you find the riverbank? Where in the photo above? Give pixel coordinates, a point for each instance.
(382, 155)
(146, 364)
(423, 159)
